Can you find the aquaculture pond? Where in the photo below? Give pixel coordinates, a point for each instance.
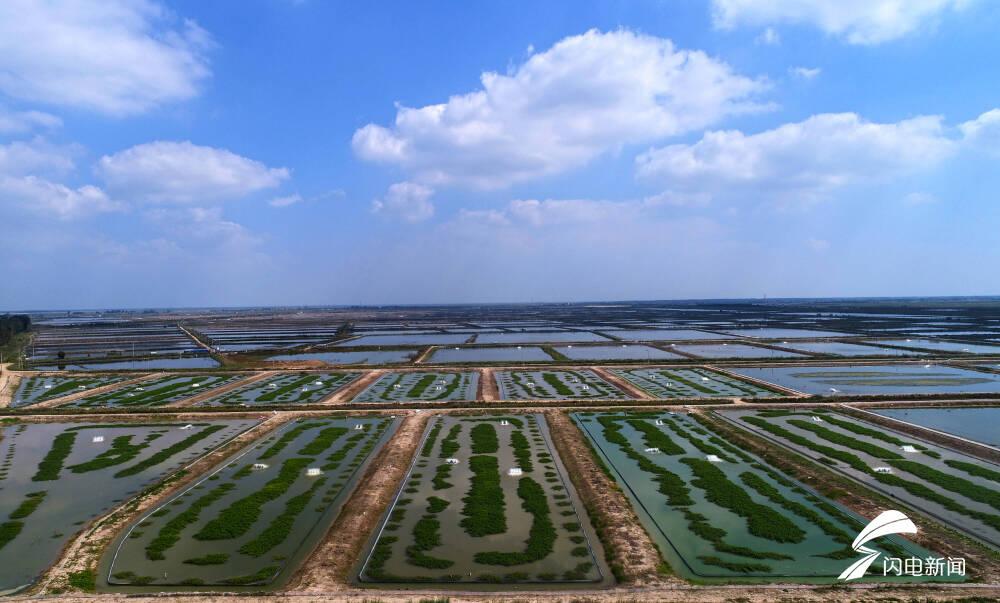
(498, 354)
(977, 424)
(252, 520)
(734, 350)
(284, 388)
(720, 514)
(193, 362)
(555, 385)
(660, 334)
(55, 477)
(946, 346)
(424, 386)
(32, 390)
(365, 357)
(619, 351)
(775, 333)
(539, 337)
(841, 348)
(406, 339)
(959, 490)
(691, 383)
(156, 392)
(485, 501)
(876, 379)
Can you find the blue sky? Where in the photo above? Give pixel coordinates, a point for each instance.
(186, 153)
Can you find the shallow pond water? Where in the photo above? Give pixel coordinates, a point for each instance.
(876, 379)
(978, 424)
(499, 354)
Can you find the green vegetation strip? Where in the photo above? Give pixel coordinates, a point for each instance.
(670, 485)
(28, 505)
(122, 451)
(52, 464)
(449, 445)
(286, 439)
(541, 536)
(279, 529)
(170, 533)
(973, 469)
(170, 451)
(432, 436)
(484, 439)
(522, 450)
(484, 510)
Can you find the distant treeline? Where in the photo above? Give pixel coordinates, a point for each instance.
(12, 324)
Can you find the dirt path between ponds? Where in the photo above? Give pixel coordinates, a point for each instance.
(488, 390)
(95, 391)
(84, 551)
(218, 391)
(9, 380)
(347, 393)
(329, 568)
(633, 556)
(621, 383)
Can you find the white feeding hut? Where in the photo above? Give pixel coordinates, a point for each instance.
(713, 458)
(438, 388)
(305, 389)
(504, 422)
(652, 451)
(49, 386)
(314, 471)
(259, 466)
(272, 385)
(318, 383)
(817, 419)
(359, 426)
(585, 387)
(882, 470)
(660, 422)
(195, 384)
(909, 449)
(186, 427)
(396, 386)
(98, 439)
(451, 461)
(514, 471)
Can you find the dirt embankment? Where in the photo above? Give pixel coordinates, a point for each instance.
(354, 388)
(982, 564)
(84, 551)
(488, 390)
(218, 391)
(328, 569)
(631, 554)
(9, 381)
(622, 384)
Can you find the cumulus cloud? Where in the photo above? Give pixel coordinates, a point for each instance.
(768, 37)
(53, 199)
(201, 224)
(983, 133)
(35, 157)
(117, 57)
(805, 160)
(806, 73)
(20, 122)
(856, 21)
(406, 201)
(182, 172)
(285, 201)
(589, 94)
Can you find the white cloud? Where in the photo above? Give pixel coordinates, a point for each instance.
(806, 73)
(285, 201)
(19, 122)
(407, 201)
(55, 200)
(818, 245)
(113, 56)
(21, 158)
(181, 172)
(983, 133)
(920, 198)
(201, 224)
(805, 160)
(857, 21)
(587, 95)
(768, 37)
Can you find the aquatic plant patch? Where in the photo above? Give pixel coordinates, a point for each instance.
(555, 385)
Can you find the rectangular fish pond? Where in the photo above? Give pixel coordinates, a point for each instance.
(619, 351)
(486, 501)
(719, 514)
(876, 379)
(555, 385)
(734, 350)
(691, 383)
(189, 362)
(286, 388)
(155, 392)
(55, 477)
(251, 521)
(422, 386)
(980, 424)
(485, 354)
(361, 357)
(958, 490)
(32, 390)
